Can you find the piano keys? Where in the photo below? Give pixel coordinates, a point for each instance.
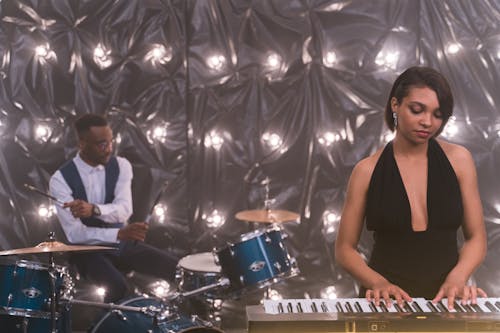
(359, 315)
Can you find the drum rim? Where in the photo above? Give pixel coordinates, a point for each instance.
(20, 312)
(36, 265)
(199, 254)
(246, 237)
(294, 271)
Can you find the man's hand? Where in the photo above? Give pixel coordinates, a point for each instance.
(133, 231)
(79, 208)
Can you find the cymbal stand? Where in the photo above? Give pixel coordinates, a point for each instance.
(153, 311)
(52, 281)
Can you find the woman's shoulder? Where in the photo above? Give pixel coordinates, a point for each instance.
(367, 164)
(459, 156)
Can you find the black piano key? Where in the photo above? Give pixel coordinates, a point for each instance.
(358, 306)
(476, 307)
(383, 307)
(324, 307)
(490, 306)
(373, 307)
(442, 307)
(432, 306)
(469, 308)
(458, 307)
(407, 307)
(280, 308)
(339, 307)
(397, 307)
(314, 308)
(497, 304)
(416, 307)
(349, 307)
(289, 307)
(299, 308)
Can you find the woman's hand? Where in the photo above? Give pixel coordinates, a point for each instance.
(387, 291)
(453, 289)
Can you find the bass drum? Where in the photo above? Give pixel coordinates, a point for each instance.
(137, 322)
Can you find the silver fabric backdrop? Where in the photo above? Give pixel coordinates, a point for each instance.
(200, 92)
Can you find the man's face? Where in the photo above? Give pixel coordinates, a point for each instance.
(96, 145)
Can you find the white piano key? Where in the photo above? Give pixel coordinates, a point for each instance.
(271, 306)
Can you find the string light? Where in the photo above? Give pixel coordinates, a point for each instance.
(328, 138)
(451, 128)
(273, 140)
(216, 62)
(214, 140)
(45, 211)
(157, 133)
(43, 132)
(330, 59)
(100, 291)
(160, 210)
(453, 48)
(102, 56)
(214, 219)
(158, 54)
(43, 53)
(160, 288)
(273, 61)
(387, 59)
(330, 222)
(329, 292)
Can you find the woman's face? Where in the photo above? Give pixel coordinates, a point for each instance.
(419, 117)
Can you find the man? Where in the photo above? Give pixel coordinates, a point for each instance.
(96, 189)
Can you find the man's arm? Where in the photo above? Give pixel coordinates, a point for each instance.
(76, 232)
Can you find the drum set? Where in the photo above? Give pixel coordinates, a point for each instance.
(37, 297)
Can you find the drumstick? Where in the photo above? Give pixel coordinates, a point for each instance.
(150, 214)
(34, 189)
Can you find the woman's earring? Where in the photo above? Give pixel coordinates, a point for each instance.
(395, 118)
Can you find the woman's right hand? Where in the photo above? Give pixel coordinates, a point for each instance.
(387, 291)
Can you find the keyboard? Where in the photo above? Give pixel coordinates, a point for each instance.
(358, 315)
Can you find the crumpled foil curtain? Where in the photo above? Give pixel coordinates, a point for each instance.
(201, 92)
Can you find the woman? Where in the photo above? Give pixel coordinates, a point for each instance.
(414, 194)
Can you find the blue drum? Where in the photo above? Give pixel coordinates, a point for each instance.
(19, 324)
(25, 288)
(196, 271)
(165, 321)
(257, 260)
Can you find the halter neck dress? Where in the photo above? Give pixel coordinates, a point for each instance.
(417, 261)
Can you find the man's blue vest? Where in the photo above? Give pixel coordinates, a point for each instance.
(72, 177)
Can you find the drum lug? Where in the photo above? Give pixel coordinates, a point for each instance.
(278, 266)
(282, 246)
(120, 315)
(242, 280)
(268, 239)
(9, 299)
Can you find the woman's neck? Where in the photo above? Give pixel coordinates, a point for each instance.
(403, 147)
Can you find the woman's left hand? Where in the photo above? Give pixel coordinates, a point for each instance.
(454, 289)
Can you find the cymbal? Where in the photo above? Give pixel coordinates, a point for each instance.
(53, 246)
(267, 215)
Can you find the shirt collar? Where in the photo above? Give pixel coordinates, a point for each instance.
(85, 167)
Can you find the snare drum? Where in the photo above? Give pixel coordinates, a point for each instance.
(198, 270)
(257, 260)
(135, 322)
(25, 288)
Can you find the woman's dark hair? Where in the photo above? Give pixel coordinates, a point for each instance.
(88, 120)
(421, 77)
